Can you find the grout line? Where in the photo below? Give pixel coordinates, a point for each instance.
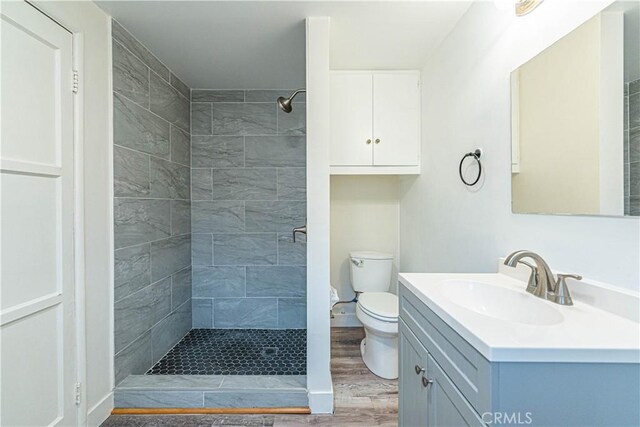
(159, 240)
(142, 152)
(171, 126)
(152, 198)
(171, 218)
(251, 135)
(213, 261)
(148, 110)
(211, 120)
(171, 293)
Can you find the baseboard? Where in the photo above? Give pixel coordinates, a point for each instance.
(321, 402)
(101, 411)
(345, 320)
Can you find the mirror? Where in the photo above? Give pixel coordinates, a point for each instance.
(575, 117)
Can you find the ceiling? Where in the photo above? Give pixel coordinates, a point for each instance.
(261, 44)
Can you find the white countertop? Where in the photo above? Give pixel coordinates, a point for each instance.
(580, 333)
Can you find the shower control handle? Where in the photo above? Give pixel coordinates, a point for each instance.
(302, 229)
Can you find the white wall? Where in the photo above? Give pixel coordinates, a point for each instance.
(85, 18)
(319, 383)
(447, 227)
(365, 215)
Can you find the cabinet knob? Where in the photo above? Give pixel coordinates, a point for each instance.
(377, 140)
(419, 369)
(426, 382)
(368, 141)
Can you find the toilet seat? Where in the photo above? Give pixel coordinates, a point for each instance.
(380, 305)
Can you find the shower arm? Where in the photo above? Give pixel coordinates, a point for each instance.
(293, 95)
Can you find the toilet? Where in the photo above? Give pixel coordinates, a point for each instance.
(377, 310)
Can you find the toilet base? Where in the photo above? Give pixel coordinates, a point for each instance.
(380, 354)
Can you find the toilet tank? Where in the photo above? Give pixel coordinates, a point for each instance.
(370, 271)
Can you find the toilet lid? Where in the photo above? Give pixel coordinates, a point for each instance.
(381, 305)
(369, 255)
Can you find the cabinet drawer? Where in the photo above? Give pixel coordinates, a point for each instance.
(468, 369)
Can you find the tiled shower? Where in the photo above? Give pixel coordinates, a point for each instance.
(632, 148)
(248, 191)
(152, 209)
(208, 185)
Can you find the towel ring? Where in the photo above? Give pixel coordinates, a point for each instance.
(476, 155)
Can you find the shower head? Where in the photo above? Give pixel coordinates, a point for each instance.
(285, 103)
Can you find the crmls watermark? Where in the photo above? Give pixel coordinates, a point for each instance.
(507, 418)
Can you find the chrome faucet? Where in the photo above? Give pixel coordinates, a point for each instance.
(541, 281)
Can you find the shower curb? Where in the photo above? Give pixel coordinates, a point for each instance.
(212, 391)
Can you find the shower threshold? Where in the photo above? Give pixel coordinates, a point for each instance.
(212, 391)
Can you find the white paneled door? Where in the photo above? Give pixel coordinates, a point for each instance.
(37, 220)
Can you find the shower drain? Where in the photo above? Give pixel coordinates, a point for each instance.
(269, 352)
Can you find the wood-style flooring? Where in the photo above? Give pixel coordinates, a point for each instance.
(361, 398)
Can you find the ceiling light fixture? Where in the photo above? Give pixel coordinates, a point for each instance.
(524, 7)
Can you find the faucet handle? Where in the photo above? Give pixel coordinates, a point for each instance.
(533, 278)
(561, 293)
(570, 276)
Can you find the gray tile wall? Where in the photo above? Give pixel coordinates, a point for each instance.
(248, 191)
(632, 148)
(152, 206)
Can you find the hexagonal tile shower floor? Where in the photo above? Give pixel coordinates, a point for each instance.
(237, 352)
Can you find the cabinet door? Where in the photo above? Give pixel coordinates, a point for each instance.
(351, 119)
(447, 406)
(396, 119)
(413, 395)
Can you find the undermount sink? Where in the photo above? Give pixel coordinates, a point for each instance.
(500, 303)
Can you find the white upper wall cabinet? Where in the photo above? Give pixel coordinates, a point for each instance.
(375, 122)
(351, 119)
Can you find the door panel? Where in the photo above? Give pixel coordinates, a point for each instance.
(351, 119)
(31, 374)
(37, 292)
(447, 406)
(396, 119)
(29, 235)
(413, 397)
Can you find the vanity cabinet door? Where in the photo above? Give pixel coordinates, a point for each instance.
(447, 406)
(413, 395)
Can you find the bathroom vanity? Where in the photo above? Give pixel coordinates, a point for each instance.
(476, 349)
